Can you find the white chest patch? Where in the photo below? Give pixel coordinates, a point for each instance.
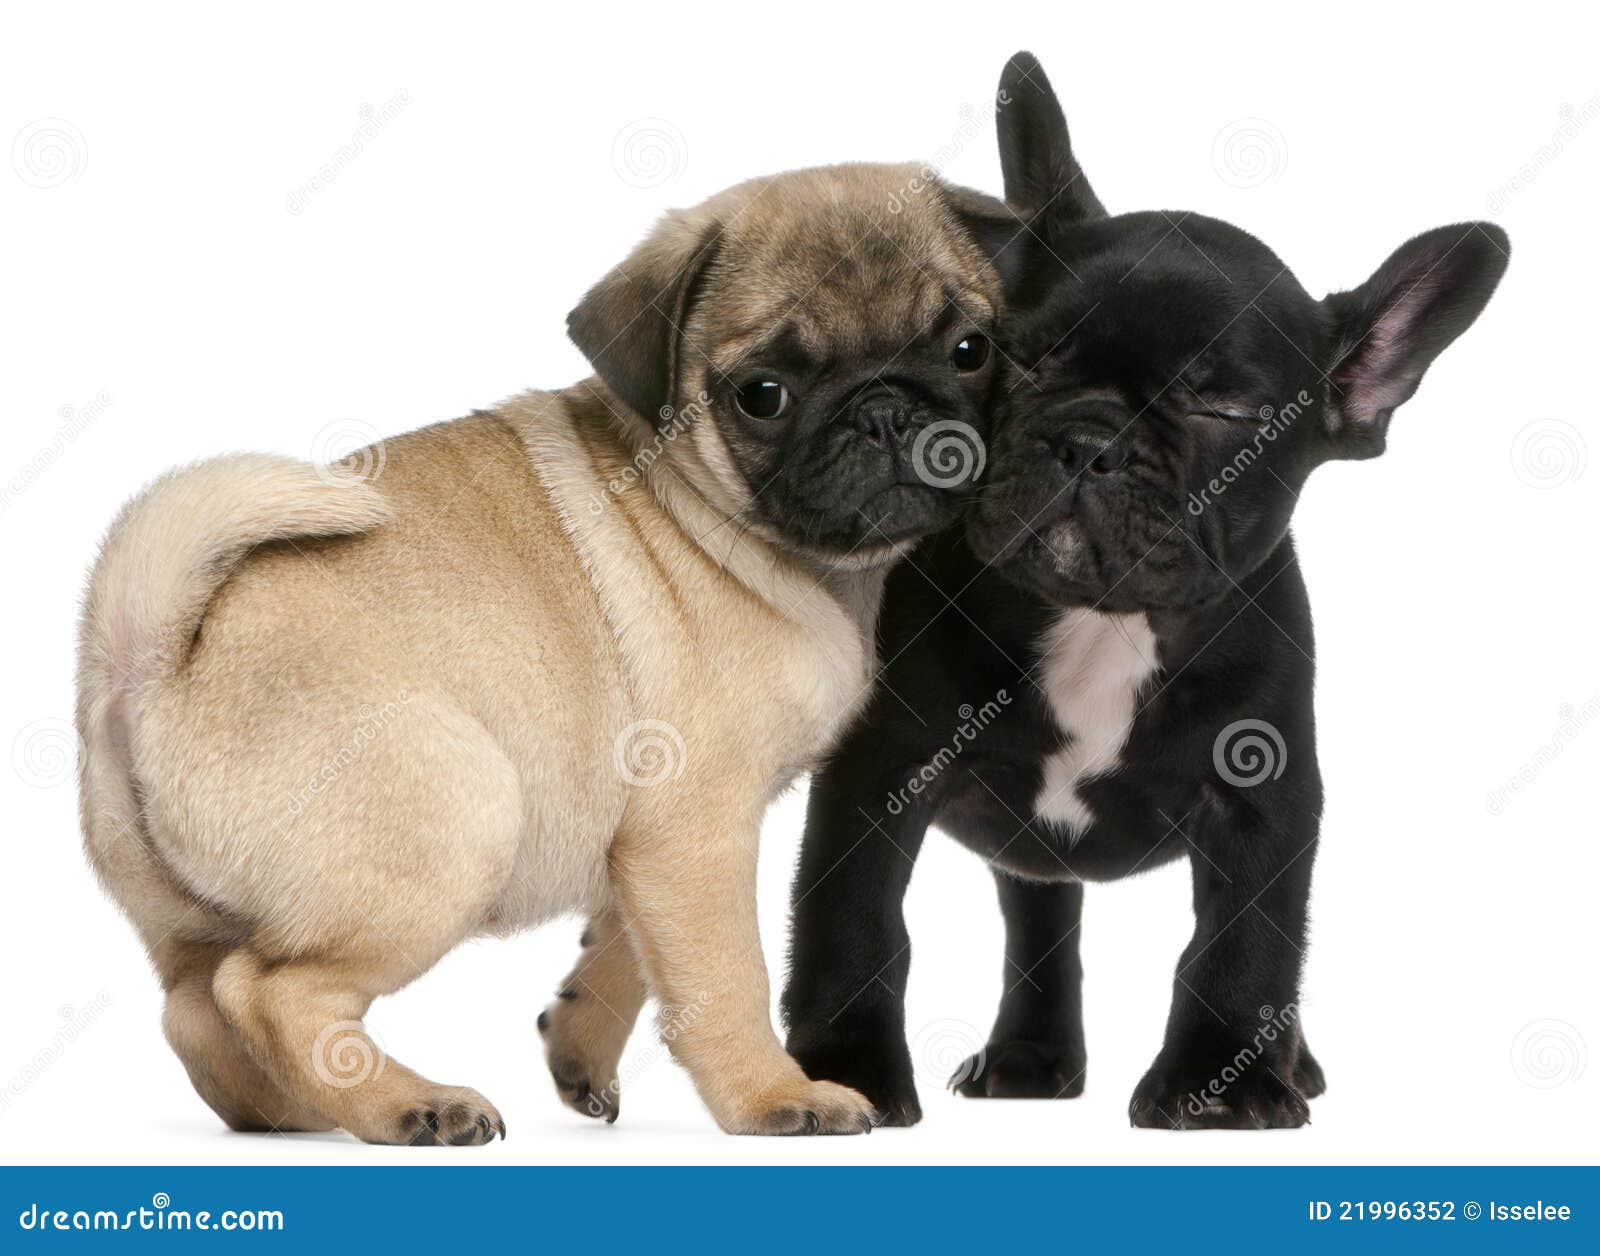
(1094, 669)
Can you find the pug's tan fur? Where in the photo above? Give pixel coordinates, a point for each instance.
(542, 661)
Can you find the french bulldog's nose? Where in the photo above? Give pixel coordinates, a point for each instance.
(1090, 434)
(1098, 453)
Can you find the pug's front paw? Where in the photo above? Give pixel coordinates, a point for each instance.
(802, 1107)
(876, 1064)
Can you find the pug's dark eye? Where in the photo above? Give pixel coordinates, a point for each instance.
(971, 352)
(762, 399)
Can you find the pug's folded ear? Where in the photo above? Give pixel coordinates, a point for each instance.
(630, 324)
(999, 231)
(1391, 328)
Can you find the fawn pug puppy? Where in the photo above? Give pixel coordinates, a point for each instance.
(555, 657)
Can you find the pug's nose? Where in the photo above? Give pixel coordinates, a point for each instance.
(883, 414)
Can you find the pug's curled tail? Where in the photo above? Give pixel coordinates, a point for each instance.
(163, 560)
(172, 546)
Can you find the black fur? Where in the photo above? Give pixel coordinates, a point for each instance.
(1169, 386)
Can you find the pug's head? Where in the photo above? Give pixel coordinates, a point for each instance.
(1169, 385)
(816, 348)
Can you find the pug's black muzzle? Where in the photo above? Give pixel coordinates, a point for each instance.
(891, 465)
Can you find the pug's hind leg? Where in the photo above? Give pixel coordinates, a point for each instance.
(587, 1027)
(303, 1019)
(222, 1071)
(432, 864)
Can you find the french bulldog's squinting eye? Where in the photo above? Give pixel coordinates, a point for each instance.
(971, 352)
(762, 399)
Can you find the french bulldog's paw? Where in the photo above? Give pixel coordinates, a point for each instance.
(1213, 1092)
(804, 1107)
(1021, 1070)
(575, 1069)
(1308, 1078)
(450, 1117)
(894, 1101)
(879, 1070)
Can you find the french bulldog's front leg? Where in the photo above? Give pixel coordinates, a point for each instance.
(687, 887)
(849, 952)
(1232, 1056)
(1035, 1050)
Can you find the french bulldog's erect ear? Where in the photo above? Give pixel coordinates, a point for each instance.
(1042, 177)
(1392, 327)
(629, 325)
(1041, 174)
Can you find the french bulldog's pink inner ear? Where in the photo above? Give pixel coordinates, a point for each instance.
(1391, 328)
(1382, 368)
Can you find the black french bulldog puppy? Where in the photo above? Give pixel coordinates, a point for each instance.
(1111, 666)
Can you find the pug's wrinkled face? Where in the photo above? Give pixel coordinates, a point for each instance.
(830, 333)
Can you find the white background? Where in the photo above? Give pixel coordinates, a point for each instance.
(161, 302)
